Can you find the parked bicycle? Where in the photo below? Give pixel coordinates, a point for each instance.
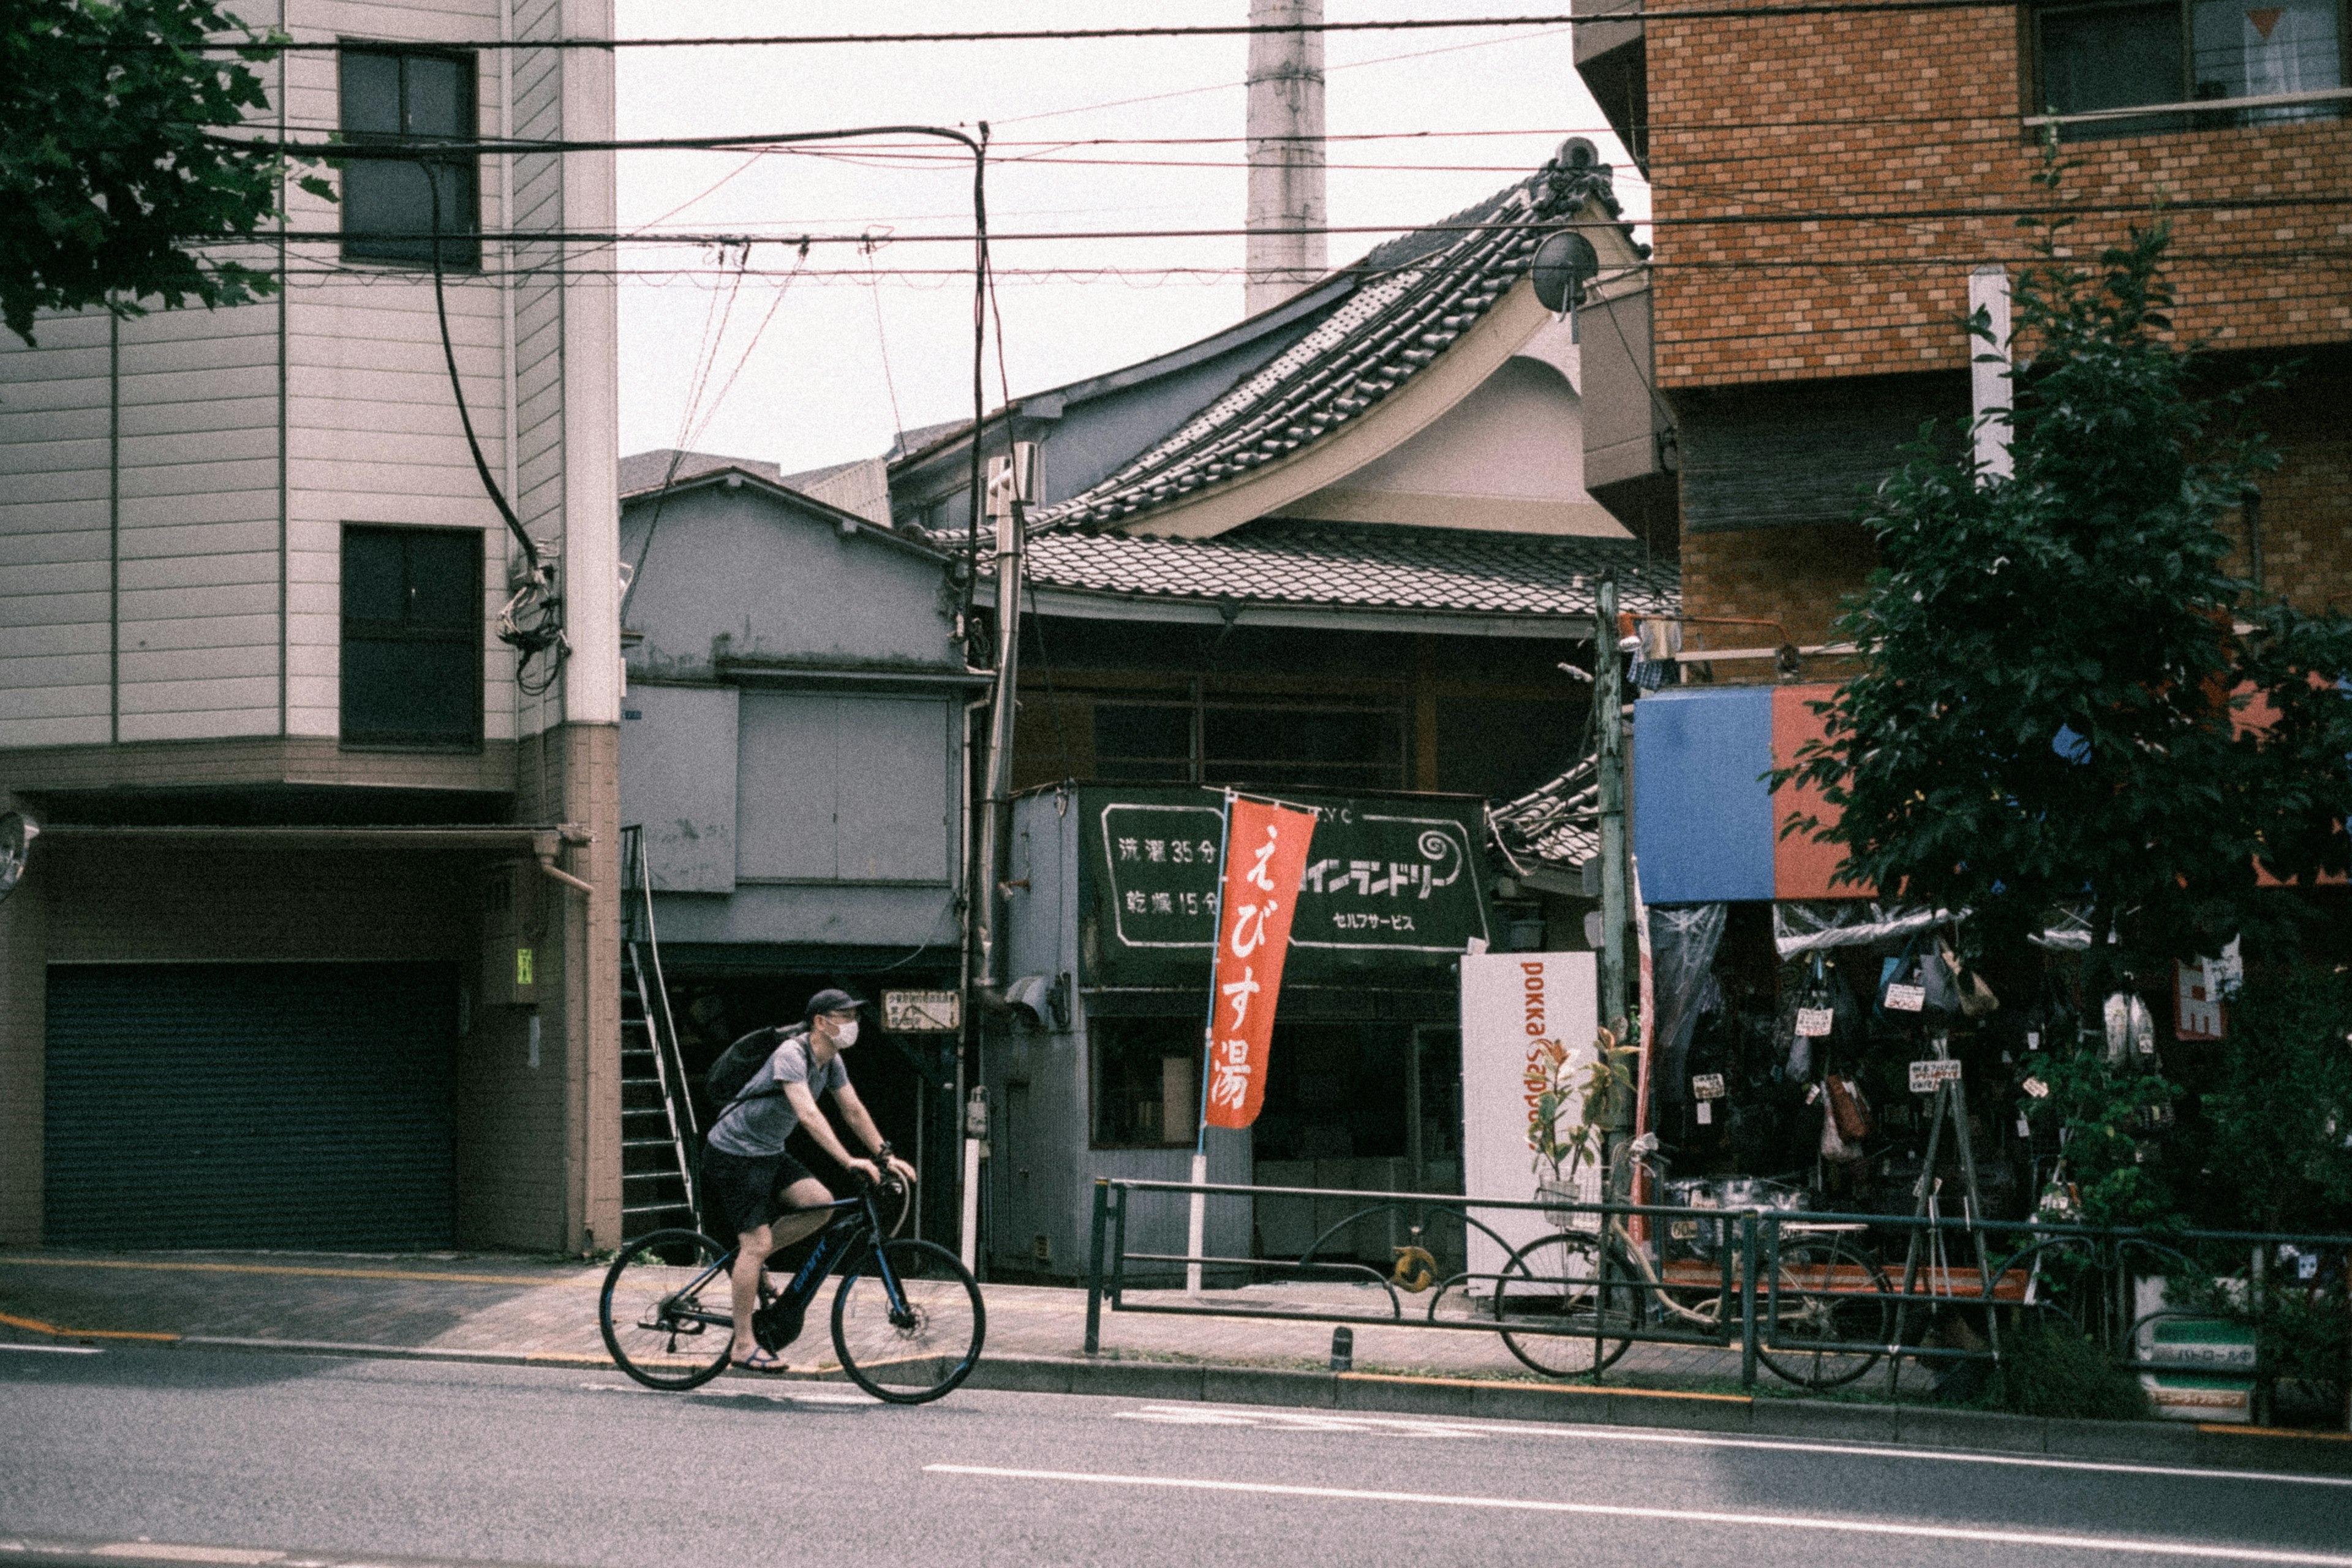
(907, 1321)
(1580, 1294)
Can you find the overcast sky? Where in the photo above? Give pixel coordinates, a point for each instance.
(823, 367)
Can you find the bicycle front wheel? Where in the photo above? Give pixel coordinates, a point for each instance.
(1828, 1294)
(908, 1322)
(664, 1309)
(1572, 1301)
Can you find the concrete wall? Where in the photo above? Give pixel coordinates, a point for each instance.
(794, 738)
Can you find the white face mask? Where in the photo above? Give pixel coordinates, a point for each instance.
(845, 1036)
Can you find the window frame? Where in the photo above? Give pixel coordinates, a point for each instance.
(1394, 770)
(1133, 1036)
(460, 251)
(375, 631)
(2035, 78)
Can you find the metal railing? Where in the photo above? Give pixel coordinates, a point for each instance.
(1818, 1297)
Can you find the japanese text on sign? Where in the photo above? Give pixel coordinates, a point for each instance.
(1926, 1075)
(1266, 850)
(1379, 885)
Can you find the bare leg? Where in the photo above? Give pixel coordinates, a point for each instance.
(751, 1250)
(754, 1247)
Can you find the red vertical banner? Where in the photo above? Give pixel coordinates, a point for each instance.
(1266, 855)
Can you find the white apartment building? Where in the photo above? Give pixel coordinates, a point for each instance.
(287, 967)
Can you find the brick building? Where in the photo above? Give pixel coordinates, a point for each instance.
(1825, 184)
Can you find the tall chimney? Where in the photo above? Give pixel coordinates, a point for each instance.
(1285, 152)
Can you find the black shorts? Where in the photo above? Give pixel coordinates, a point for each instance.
(740, 1192)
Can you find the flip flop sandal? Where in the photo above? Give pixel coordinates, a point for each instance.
(765, 1361)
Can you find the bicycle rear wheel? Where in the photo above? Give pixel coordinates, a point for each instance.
(1828, 1294)
(1567, 1284)
(664, 1312)
(920, 1342)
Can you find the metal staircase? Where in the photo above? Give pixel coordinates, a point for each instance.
(659, 1135)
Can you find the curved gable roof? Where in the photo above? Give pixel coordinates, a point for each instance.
(1422, 293)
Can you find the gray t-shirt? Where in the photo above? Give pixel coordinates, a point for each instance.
(756, 1129)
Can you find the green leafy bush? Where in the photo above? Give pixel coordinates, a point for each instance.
(2048, 1368)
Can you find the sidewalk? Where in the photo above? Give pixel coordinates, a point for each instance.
(507, 1308)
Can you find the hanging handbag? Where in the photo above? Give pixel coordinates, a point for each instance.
(1976, 998)
(1914, 983)
(1849, 1110)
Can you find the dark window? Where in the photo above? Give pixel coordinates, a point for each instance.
(1143, 743)
(1301, 744)
(2129, 52)
(412, 671)
(392, 95)
(1145, 1081)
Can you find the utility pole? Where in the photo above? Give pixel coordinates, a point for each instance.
(1011, 482)
(1609, 725)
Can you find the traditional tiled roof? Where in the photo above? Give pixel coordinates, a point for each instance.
(1556, 828)
(1361, 566)
(643, 471)
(1421, 292)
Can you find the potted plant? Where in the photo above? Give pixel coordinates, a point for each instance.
(1570, 1107)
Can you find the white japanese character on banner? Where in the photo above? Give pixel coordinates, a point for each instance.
(1156, 849)
(1136, 904)
(1127, 849)
(1239, 991)
(1249, 927)
(1163, 904)
(1229, 1074)
(1257, 876)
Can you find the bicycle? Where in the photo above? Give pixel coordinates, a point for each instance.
(1819, 1291)
(907, 1321)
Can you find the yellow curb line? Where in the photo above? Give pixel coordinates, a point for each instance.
(39, 1326)
(288, 1268)
(2233, 1430)
(565, 1358)
(1542, 1388)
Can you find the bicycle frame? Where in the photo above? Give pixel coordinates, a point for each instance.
(853, 1223)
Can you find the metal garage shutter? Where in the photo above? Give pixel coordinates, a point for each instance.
(250, 1105)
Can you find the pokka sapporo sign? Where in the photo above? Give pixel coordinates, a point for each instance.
(1389, 884)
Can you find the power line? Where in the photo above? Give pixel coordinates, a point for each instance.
(1058, 34)
(1864, 216)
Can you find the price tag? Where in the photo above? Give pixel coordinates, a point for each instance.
(1812, 1093)
(2032, 1039)
(2036, 1088)
(1814, 1023)
(1707, 1086)
(2023, 1131)
(1706, 1113)
(1926, 1075)
(1906, 998)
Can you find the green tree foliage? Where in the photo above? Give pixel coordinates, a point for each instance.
(2047, 713)
(2280, 1122)
(111, 173)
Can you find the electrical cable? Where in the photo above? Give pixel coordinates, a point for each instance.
(706, 350)
(256, 47)
(544, 633)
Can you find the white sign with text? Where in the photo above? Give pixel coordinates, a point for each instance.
(1517, 1008)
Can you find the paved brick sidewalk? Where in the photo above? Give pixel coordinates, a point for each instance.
(517, 1305)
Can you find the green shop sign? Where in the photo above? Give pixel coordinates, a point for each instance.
(1390, 884)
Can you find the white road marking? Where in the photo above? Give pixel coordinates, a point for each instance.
(2049, 1540)
(1300, 1421)
(1850, 1450)
(798, 1396)
(55, 1349)
(159, 1551)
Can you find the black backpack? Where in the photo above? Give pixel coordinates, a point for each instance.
(737, 1063)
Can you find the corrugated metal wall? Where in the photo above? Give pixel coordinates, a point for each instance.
(250, 1105)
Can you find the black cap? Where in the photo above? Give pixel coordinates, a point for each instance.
(830, 1001)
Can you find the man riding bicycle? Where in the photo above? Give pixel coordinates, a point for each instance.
(752, 1185)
